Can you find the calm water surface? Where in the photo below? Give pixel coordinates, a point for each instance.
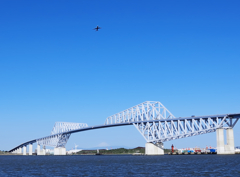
(121, 165)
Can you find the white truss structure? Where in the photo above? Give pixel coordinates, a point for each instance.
(170, 129)
(157, 124)
(57, 140)
(59, 137)
(148, 110)
(61, 127)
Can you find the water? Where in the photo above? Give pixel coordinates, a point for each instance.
(121, 165)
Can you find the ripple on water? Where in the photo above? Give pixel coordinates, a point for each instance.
(113, 165)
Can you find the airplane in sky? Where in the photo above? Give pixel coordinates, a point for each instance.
(97, 28)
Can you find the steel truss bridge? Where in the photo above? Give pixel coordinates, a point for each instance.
(153, 121)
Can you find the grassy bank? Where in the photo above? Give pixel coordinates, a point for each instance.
(4, 153)
(117, 151)
(113, 151)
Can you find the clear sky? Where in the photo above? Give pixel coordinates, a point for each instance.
(54, 67)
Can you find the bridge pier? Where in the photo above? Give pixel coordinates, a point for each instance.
(154, 149)
(60, 151)
(38, 149)
(20, 150)
(225, 148)
(24, 150)
(30, 149)
(41, 151)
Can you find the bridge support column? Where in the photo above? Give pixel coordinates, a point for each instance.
(229, 147)
(24, 150)
(220, 140)
(38, 149)
(60, 151)
(41, 151)
(221, 147)
(30, 149)
(20, 150)
(152, 149)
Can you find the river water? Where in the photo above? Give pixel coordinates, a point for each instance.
(120, 165)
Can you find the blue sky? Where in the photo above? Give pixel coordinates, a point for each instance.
(54, 67)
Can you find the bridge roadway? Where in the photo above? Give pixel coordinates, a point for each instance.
(220, 116)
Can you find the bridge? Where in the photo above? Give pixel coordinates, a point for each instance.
(153, 121)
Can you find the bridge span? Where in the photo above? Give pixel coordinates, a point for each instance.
(153, 121)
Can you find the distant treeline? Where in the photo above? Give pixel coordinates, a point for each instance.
(117, 151)
(4, 152)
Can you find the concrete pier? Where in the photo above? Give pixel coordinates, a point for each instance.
(225, 148)
(25, 150)
(38, 149)
(41, 151)
(152, 149)
(30, 149)
(229, 147)
(60, 151)
(220, 140)
(20, 150)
